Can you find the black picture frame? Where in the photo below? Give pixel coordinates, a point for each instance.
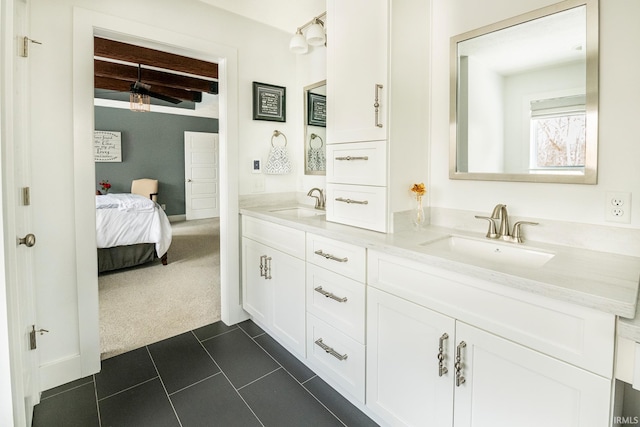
(317, 109)
(269, 102)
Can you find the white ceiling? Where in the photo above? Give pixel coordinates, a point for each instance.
(286, 15)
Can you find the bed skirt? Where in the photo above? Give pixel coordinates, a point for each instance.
(127, 256)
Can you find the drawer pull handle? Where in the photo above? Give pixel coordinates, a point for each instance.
(349, 201)
(263, 266)
(267, 269)
(330, 295)
(331, 257)
(441, 368)
(352, 158)
(459, 378)
(330, 350)
(376, 105)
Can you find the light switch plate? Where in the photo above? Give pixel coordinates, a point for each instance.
(256, 166)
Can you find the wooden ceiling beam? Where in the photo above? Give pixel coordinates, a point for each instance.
(152, 77)
(141, 55)
(119, 85)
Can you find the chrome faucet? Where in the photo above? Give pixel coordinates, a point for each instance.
(500, 212)
(319, 198)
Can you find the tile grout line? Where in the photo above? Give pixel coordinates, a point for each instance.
(126, 389)
(64, 391)
(95, 393)
(196, 383)
(230, 383)
(163, 386)
(258, 379)
(215, 336)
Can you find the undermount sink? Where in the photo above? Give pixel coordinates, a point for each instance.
(298, 212)
(492, 251)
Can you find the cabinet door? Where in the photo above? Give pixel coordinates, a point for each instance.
(356, 65)
(507, 384)
(256, 289)
(288, 303)
(404, 386)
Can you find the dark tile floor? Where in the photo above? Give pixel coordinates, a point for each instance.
(213, 376)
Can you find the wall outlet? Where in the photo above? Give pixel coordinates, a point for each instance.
(617, 207)
(163, 206)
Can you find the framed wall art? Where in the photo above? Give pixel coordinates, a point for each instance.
(269, 102)
(317, 114)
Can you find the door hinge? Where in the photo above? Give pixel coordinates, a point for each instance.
(32, 337)
(26, 196)
(24, 52)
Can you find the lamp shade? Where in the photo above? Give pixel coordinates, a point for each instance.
(298, 44)
(315, 34)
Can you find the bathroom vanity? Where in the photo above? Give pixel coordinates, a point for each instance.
(413, 331)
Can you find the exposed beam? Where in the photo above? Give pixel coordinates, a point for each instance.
(152, 77)
(125, 86)
(141, 55)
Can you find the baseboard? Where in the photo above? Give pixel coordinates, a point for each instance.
(177, 218)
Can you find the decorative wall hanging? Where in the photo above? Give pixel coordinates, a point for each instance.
(107, 146)
(317, 114)
(269, 102)
(278, 161)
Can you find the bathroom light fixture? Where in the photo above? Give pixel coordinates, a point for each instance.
(299, 44)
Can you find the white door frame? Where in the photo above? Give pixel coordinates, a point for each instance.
(87, 24)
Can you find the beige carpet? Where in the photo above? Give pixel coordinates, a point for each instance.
(149, 303)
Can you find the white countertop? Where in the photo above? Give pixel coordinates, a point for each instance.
(604, 281)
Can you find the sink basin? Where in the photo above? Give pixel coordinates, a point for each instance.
(298, 212)
(491, 251)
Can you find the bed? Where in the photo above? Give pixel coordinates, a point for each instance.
(130, 230)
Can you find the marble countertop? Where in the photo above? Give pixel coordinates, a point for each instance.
(604, 281)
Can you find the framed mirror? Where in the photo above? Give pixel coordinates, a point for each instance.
(524, 97)
(315, 124)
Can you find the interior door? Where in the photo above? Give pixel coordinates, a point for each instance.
(17, 221)
(201, 169)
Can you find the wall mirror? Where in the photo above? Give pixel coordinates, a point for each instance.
(315, 123)
(524, 97)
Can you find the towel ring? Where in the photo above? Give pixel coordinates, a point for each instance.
(314, 136)
(277, 133)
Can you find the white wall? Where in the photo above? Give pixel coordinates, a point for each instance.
(619, 150)
(262, 56)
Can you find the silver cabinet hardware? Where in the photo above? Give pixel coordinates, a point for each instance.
(26, 196)
(263, 266)
(330, 294)
(331, 257)
(330, 350)
(349, 201)
(376, 105)
(267, 268)
(459, 378)
(441, 368)
(352, 158)
(29, 240)
(32, 336)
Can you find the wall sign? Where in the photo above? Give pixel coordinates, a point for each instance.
(107, 146)
(269, 102)
(317, 114)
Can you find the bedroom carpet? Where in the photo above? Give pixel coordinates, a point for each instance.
(152, 302)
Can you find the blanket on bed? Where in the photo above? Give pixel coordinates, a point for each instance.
(128, 219)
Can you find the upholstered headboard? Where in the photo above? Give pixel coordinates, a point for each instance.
(145, 187)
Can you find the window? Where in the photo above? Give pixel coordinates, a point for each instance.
(558, 133)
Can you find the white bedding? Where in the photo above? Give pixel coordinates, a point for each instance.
(128, 219)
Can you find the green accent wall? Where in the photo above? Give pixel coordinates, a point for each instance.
(152, 147)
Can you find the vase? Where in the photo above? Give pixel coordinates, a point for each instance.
(417, 215)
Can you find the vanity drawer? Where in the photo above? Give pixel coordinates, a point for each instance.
(362, 163)
(357, 205)
(285, 239)
(340, 257)
(338, 359)
(579, 335)
(337, 300)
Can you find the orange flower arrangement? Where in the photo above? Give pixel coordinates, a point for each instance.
(418, 190)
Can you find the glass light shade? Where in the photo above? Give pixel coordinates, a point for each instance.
(139, 102)
(298, 44)
(315, 34)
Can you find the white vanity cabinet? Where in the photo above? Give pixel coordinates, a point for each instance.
(273, 280)
(336, 313)
(523, 360)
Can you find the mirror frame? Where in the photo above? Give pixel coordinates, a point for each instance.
(305, 104)
(590, 175)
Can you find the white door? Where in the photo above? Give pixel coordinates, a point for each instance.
(406, 386)
(201, 174)
(19, 257)
(507, 385)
